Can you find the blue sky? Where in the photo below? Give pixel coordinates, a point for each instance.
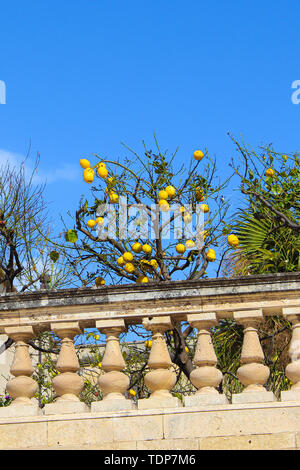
(82, 76)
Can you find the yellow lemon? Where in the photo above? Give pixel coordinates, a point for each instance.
(186, 349)
(163, 194)
(154, 263)
(180, 248)
(132, 392)
(88, 175)
(198, 155)
(84, 163)
(182, 209)
(204, 208)
(164, 205)
(142, 279)
(189, 244)
(99, 281)
(91, 223)
(146, 248)
(120, 261)
(113, 197)
(270, 172)
(100, 364)
(136, 247)
(129, 268)
(101, 164)
(210, 255)
(127, 256)
(144, 263)
(148, 343)
(100, 221)
(199, 194)
(111, 180)
(233, 240)
(170, 190)
(284, 157)
(187, 218)
(102, 172)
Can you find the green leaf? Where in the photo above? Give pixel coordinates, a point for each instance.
(54, 255)
(71, 236)
(276, 190)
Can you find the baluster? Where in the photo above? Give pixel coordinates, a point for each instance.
(113, 383)
(292, 370)
(252, 373)
(161, 379)
(22, 387)
(67, 384)
(205, 377)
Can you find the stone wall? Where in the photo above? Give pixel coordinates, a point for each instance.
(241, 426)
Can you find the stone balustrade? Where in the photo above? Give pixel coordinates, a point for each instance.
(203, 304)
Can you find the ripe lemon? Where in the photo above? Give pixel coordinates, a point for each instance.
(120, 261)
(132, 392)
(210, 255)
(88, 175)
(99, 281)
(102, 172)
(111, 180)
(100, 365)
(113, 197)
(189, 244)
(129, 268)
(199, 194)
(163, 194)
(91, 223)
(154, 263)
(148, 343)
(233, 240)
(180, 248)
(142, 279)
(182, 209)
(101, 164)
(144, 263)
(84, 163)
(164, 205)
(270, 172)
(127, 256)
(170, 190)
(204, 208)
(198, 155)
(187, 218)
(136, 247)
(100, 221)
(186, 349)
(146, 248)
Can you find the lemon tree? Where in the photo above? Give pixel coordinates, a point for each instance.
(268, 226)
(174, 218)
(148, 218)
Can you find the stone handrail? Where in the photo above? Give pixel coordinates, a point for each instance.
(111, 310)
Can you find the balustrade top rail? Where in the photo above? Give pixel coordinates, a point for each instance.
(271, 293)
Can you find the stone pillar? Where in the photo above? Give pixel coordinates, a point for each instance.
(22, 387)
(292, 370)
(205, 377)
(252, 373)
(114, 383)
(67, 384)
(161, 379)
